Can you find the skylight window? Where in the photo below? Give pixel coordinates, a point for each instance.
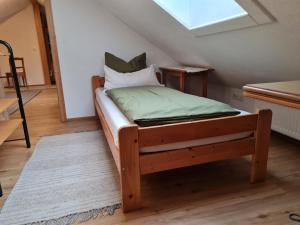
(200, 13)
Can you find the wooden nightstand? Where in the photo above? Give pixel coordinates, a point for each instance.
(182, 72)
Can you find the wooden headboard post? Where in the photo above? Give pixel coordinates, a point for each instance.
(97, 81)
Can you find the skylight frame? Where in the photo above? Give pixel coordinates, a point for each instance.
(254, 14)
(162, 5)
(218, 21)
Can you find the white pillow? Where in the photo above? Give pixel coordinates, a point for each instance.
(145, 77)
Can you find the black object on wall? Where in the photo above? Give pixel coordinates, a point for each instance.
(1, 193)
(18, 91)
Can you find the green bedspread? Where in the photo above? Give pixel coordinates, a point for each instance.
(153, 105)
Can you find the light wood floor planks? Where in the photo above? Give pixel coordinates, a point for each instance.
(214, 194)
(43, 119)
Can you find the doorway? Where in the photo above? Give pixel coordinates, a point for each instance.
(49, 54)
(47, 73)
(47, 44)
(44, 42)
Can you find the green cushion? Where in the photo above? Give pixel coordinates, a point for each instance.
(119, 65)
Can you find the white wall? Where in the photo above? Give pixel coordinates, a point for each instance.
(253, 55)
(20, 32)
(84, 31)
(285, 120)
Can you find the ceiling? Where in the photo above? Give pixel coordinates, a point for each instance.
(259, 54)
(10, 7)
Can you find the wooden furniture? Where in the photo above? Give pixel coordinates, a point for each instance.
(282, 93)
(188, 196)
(7, 127)
(21, 72)
(55, 59)
(182, 72)
(132, 165)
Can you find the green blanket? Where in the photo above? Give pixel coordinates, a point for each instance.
(154, 105)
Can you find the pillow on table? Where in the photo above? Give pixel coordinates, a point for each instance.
(119, 65)
(145, 77)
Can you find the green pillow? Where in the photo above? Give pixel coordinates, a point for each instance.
(119, 65)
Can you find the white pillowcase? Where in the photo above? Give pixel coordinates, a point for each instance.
(145, 77)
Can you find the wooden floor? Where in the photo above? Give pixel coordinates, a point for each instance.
(215, 193)
(43, 119)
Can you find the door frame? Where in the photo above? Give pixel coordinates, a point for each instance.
(41, 40)
(56, 66)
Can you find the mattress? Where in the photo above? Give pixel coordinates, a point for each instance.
(116, 120)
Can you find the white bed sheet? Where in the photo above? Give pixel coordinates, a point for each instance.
(116, 119)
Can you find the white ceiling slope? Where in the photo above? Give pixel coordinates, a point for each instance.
(258, 54)
(9, 8)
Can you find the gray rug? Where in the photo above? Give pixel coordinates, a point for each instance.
(27, 96)
(69, 177)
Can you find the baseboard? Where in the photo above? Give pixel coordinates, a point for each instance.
(82, 118)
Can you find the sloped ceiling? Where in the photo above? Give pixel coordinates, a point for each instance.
(259, 54)
(10, 7)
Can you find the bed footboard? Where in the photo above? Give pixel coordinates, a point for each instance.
(134, 164)
(256, 145)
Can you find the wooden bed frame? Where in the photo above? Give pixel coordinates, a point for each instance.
(132, 164)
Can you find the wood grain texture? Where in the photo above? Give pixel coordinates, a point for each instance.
(5, 103)
(134, 164)
(280, 100)
(55, 59)
(151, 163)
(43, 119)
(97, 81)
(260, 156)
(41, 40)
(165, 134)
(130, 168)
(7, 128)
(182, 72)
(216, 193)
(285, 89)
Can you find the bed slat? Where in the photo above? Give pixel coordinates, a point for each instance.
(151, 163)
(165, 134)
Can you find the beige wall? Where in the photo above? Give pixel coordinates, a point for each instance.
(20, 32)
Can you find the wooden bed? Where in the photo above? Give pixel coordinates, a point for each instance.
(132, 164)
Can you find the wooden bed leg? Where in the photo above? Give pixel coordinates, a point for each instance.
(130, 168)
(260, 156)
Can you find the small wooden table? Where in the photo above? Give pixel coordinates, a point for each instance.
(182, 72)
(283, 93)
